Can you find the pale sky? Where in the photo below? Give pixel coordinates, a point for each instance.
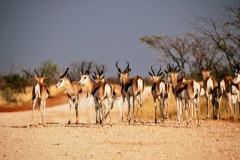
(104, 31)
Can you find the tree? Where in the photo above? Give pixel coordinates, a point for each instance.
(224, 33)
(215, 43)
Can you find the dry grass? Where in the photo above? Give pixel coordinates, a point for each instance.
(149, 110)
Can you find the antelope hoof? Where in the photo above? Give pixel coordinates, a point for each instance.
(69, 122)
(178, 122)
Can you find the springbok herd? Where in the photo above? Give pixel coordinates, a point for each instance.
(105, 94)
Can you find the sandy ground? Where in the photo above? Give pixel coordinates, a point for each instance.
(212, 140)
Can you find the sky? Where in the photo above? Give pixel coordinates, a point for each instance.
(103, 31)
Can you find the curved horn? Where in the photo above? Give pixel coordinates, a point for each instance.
(127, 68)
(64, 74)
(36, 72)
(42, 72)
(159, 72)
(152, 70)
(102, 69)
(88, 69)
(97, 70)
(119, 70)
(177, 68)
(82, 67)
(169, 67)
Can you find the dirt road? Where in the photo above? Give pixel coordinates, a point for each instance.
(212, 140)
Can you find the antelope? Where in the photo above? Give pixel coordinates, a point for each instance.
(117, 90)
(232, 91)
(73, 89)
(100, 91)
(159, 92)
(236, 82)
(185, 91)
(40, 93)
(211, 91)
(133, 87)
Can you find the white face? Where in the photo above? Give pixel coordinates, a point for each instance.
(237, 78)
(155, 78)
(60, 83)
(83, 79)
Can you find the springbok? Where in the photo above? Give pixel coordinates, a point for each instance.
(236, 82)
(185, 91)
(211, 90)
(117, 90)
(100, 91)
(159, 92)
(133, 87)
(232, 91)
(73, 90)
(39, 93)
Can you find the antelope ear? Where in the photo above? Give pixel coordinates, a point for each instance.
(36, 78)
(46, 77)
(150, 73)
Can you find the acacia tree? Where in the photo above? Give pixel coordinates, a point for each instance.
(186, 50)
(224, 33)
(216, 44)
(170, 49)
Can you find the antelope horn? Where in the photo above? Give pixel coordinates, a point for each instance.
(119, 70)
(175, 69)
(127, 68)
(152, 70)
(64, 74)
(36, 72)
(42, 72)
(82, 67)
(169, 67)
(89, 66)
(102, 69)
(158, 73)
(97, 70)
